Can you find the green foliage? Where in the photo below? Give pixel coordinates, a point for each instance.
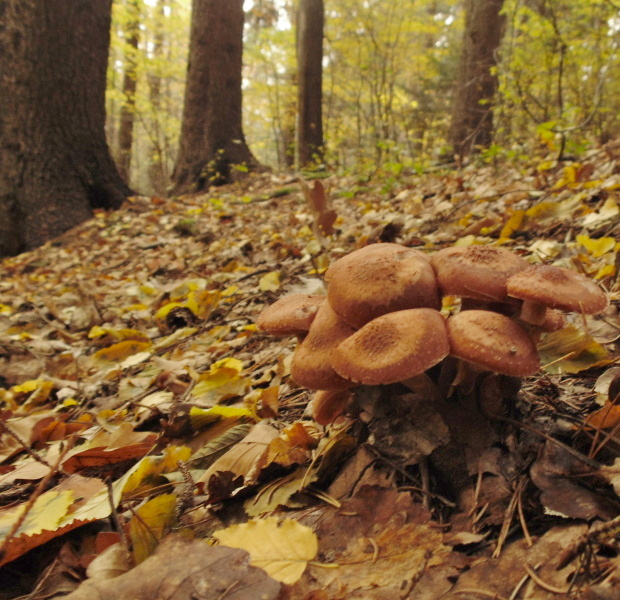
(389, 74)
(161, 68)
(570, 94)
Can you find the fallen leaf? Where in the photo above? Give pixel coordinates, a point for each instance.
(281, 548)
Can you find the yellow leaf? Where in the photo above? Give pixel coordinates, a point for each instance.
(513, 224)
(199, 417)
(150, 523)
(5, 309)
(47, 511)
(570, 350)
(597, 247)
(270, 282)
(605, 271)
(282, 549)
(166, 308)
(117, 353)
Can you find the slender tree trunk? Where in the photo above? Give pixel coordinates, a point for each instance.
(212, 139)
(55, 166)
(158, 173)
(472, 112)
(130, 84)
(310, 24)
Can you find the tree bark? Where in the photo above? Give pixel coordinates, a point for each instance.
(310, 24)
(55, 166)
(472, 112)
(212, 139)
(130, 84)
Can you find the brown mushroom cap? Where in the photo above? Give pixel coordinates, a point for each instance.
(290, 315)
(311, 366)
(492, 341)
(393, 347)
(379, 279)
(556, 287)
(477, 272)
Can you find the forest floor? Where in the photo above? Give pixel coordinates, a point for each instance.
(150, 434)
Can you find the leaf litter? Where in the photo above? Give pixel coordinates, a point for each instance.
(139, 401)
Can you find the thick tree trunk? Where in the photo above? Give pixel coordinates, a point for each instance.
(130, 84)
(55, 166)
(310, 23)
(472, 113)
(212, 139)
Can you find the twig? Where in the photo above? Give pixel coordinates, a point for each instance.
(543, 584)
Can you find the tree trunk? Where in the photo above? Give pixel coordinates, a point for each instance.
(472, 112)
(55, 166)
(130, 83)
(158, 171)
(310, 23)
(212, 139)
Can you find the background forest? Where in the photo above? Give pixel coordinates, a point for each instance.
(389, 73)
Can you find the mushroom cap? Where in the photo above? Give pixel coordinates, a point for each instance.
(477, 272)
(557, 287)
(311, 366)
(329, 404)
(290, 315)
(492, 341)
(379, 279)
(393, 347)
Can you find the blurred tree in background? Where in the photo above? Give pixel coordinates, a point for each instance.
(404, 84)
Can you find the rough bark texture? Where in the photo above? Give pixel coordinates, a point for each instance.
(310, 22)
(130, 83)
(55, 166)
(472, 113)
(212, 139)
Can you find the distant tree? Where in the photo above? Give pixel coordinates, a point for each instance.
(472, 112)
(55, 166)
(130, 82)
(212, 139)
(310, 25)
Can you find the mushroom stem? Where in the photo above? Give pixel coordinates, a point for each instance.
(533, 313)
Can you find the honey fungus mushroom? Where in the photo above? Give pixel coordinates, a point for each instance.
(311, 366)
(493, 342)
(546, 286)
(380, 279)
(393, 347)
(479, 272)
(290, 315)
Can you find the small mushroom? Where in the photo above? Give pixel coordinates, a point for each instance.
(327, 405)
(479, 272)
(290, 315)
(542, 286)
(379, 279)
(492, 341)
(311, 366)
(393, 347)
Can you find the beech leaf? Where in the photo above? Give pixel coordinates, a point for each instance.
(282, 549)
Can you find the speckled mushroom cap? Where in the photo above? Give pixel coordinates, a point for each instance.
(311, 366)
(379, 279)
(557, 287)
(477, 272)
(492, 341)
(290, 315)
(393, 347)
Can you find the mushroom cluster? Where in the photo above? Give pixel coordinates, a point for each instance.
(381, 323)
